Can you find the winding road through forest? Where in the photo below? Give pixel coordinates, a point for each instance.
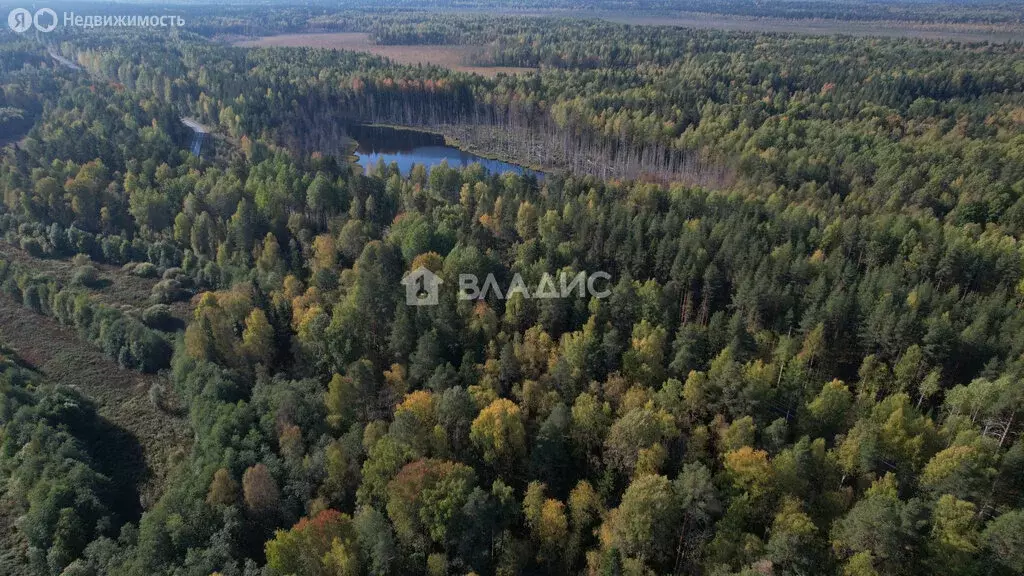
(199, 131)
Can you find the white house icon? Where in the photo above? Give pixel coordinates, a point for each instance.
(421, 287)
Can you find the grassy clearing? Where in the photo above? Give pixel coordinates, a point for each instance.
(140, 442)
(145, 439)
(453, 57)
(117, 288)
(148, 439)
(136, 444)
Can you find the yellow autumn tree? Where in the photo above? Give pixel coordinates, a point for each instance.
(258, 338)
(749, 469)
(430, 260)
(499, 434)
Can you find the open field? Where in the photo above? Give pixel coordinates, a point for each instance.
(453, 57)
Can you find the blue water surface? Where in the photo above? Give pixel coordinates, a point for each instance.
(409, 147)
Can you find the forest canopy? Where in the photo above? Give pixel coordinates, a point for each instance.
(810, 359)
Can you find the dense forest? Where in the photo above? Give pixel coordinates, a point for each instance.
(810, 360)
(851, 120)
(906, 11)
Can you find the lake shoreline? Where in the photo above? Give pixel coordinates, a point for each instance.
(704, 172)
(447, 141)
(466, 147)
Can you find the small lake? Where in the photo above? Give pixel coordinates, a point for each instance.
(409, 147)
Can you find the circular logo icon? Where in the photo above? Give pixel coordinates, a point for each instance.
(46, 24)
(20, 20)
